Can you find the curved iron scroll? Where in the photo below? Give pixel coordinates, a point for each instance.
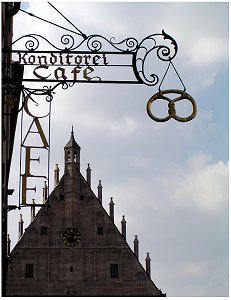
(46, 91)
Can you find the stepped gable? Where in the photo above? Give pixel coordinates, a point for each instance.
(74, 248)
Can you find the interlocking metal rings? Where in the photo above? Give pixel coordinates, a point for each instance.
(171, 105)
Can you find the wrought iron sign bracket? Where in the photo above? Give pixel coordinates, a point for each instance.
(83, 59)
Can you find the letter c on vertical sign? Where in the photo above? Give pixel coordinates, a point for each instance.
(27, 109)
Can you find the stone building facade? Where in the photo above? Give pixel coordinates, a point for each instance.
(73, 248)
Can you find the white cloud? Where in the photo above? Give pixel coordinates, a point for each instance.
(207, 50)
(199, 161)
(201, 185)
(124, 127)
(193, 269)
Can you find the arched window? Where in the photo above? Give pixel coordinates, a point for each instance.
(75, 156)
(68, 155)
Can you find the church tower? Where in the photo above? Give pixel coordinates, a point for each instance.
(72, 155)
(73, 247)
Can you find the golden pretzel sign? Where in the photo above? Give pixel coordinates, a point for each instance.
(171, 105)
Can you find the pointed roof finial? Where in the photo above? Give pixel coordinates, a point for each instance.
(123, 227)
(100, 192)
(20, 229)
(72, 142)
(148, 264)
(123, 219)
(136, 247)
(111, 206)
(111, 202)
(89, 175)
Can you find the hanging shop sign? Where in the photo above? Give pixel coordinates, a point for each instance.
(93, 59)
(86, 59)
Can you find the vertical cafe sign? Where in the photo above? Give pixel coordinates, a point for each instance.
(92, 59)
(35, 150)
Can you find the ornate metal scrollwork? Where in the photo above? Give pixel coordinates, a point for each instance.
(147, 47)
(162, 46)
(28, 93)
(171, 105)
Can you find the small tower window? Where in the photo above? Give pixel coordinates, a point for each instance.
(100, 230)
(114, 271)
(29, 270)
(43, 230)
(71, 269)
(68, 155)
(75, 157)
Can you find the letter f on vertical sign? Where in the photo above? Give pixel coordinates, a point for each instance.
(27, 174)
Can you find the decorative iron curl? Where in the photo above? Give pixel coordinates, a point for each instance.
(31, 45)
(68, 39)
(95, 43)
(129, 43)
(33, 42)
(26, 92)
(48, 91)
(163, 52)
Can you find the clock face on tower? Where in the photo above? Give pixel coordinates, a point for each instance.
(71, 237)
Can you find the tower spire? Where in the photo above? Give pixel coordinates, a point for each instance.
(72, 154)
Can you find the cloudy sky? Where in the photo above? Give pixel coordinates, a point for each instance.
(169, 179)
